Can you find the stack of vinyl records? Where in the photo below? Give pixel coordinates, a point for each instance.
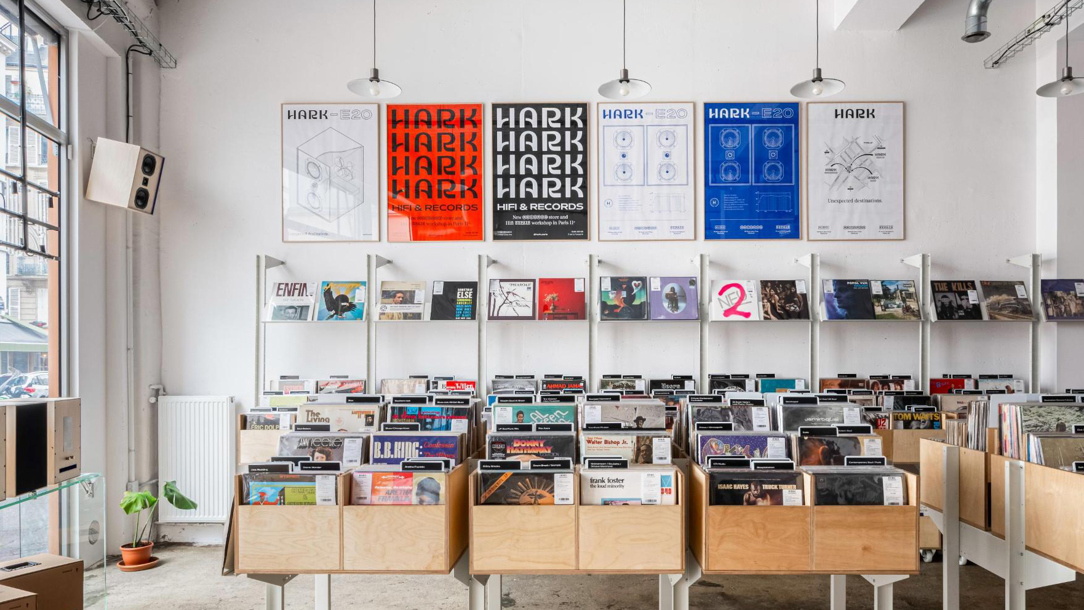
(526, 487)
(391, 486)
(833, 450)
(746, 487)
(740, 444)
(636, 485)
(1020, 419)
(858, 485)
(636, 446)
(527, 446)
(282, 489)
(1055, 449)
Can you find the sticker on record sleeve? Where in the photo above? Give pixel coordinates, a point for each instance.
(656, 284)
(829, 287)
(799, 285)
(605, 284)
(1079, 288)
(777, 447)
(792, 497)
(1021, 291)
(592, 414)
(650, 488)
(363, 487)
(973, 297)
(852, 415)
(893, 490)
(438, 288)
(352, 451)
(660, 450)
(325, 490)
(577, 285)
(562, 488)
(459, 425)
(875, 287)
(761, 419)
(871, 447)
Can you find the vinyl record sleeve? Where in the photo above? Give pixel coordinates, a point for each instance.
(735, 301)
(527, 446)
(454, 300)
(744, 487)
(631, 486)
(623, 298)
(674, 298)
(784, 300)
(562, 298)
(848, 300)
(1063, 300)
(394, 447)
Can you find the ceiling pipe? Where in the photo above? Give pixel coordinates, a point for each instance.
(975, 23)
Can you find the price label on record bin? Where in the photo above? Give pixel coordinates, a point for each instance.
(893, 490)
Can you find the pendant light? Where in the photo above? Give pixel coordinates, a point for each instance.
(1066, 85)
(623, 87)
(374, 87)
(818, 86)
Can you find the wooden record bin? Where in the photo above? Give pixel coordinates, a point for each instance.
(633, 539)
(1053, 517)
(903, 446)
(522, 539)
(973, 482)
(406, 539)
(867, 539)
(747, 539)
(255, 446)
(288, 539)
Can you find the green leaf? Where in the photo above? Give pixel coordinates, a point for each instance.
(133, 502)
(176, 498)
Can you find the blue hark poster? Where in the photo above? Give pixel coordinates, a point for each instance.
(752, 171)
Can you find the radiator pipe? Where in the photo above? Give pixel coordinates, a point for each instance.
(975, 22)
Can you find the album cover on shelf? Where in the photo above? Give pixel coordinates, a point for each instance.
(956, 300)
(413, 385)
(1008, 385)
(624, 384)
(630, 414)
(895, 300)
(341, 301)
(784, 300)
(831, 450)
(265, 421)
(750, 418)
(746, 487)
(527, 446)
(858, 486)
(1055, 449)
(843, 383)
(500, 385)
(389, 488)
(891, 384)
(638, 485)
(401, 301)
(745, 444)
(730, 384)
(291, 302)
(1018, 420)
(638, 447)
(774, 385)
(341, 418)
(282, 489)
(673, 298)
(394, 447)
(340, 386)
(453, 385)
(559, 413)
(1063, 300)
(287, 385)
(947, 385)
(735, 300)
(847, 300)
(669, 386)
(796, 416)
(563, 384)
(454, 300)
(432, 418)
(562, 298)
(1006, 300)
(523, 487)
(346, 447)
(623, 298)
(511, 299)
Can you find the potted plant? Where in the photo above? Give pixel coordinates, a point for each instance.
(137, 553)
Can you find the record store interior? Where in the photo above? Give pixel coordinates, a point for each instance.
(561, 304)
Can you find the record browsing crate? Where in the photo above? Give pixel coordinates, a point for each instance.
(902, 446)
(1053, 517)
(526, 539)
(288, 539)
(867, 539)
(973, 482)
(255, 445)
(633, 539)
(748, 539)
(406, 539)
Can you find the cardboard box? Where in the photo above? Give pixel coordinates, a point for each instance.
(43, 443)
(15, 599)
(56, 581)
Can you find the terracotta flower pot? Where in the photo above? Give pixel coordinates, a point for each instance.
(133, 556)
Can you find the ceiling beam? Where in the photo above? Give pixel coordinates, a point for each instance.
(875, 15)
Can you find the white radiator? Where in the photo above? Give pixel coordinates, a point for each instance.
(195, 448)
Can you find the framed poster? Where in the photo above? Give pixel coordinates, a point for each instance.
(330, 172)
(752, 171)
(435, 178)
(540, 171)
(645, 185)
(855, 174)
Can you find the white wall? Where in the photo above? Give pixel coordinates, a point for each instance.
(970, 174)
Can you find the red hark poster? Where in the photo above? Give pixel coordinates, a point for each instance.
(435, 182)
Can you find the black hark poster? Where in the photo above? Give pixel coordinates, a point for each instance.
(540, 171)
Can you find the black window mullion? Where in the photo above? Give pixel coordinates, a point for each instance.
(22, 121)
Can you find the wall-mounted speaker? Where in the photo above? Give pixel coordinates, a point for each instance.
(125, 175)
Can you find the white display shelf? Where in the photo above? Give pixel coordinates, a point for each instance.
(328, 322)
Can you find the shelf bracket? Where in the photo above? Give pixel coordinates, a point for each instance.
(270, 262)
(1034, 264)
(381, 261)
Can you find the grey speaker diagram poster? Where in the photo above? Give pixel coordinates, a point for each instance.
(540, 171)
(856, 171)
(330, 172)
(645, 172)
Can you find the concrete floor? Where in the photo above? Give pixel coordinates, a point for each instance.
(188, 578)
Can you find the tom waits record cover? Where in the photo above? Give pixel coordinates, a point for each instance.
(393, 447)
(743, 487)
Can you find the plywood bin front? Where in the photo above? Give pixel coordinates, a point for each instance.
(902, 446)
(973, 486)
(634, 539)
(1053, 517)
(287, 539)
(254, 446)
(521, 539)
(867, 539)
(407, 539)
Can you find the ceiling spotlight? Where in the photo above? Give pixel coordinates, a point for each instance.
(1066, 85)
(818, 86)
(374, 87)
(623, 87)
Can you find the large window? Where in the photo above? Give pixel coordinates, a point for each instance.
(31, 197)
